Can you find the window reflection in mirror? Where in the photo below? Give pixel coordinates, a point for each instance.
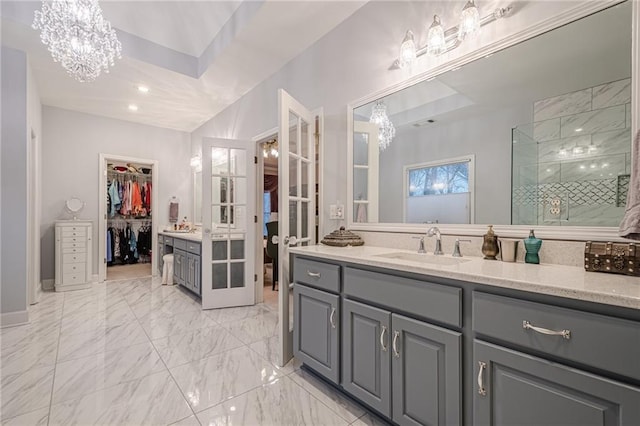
(548, 122)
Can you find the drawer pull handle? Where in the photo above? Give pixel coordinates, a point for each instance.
(382, 339)
(332, 318)
(481, 390)
(394, 344)
(313, 274)
(564, 333)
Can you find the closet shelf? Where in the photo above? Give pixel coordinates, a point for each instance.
(133, 219)
(112, 173)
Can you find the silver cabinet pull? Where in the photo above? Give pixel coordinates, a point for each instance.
(313, 274)
(564, 333)
(481, 390)
(394, 344)
(332, 318)
(382, 339)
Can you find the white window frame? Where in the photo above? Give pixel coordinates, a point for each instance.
(470, 158)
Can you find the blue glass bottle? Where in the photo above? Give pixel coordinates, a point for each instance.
(532, 246)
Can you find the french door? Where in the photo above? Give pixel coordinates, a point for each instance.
(297, 202)
(228, 234)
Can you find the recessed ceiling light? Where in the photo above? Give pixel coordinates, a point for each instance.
(133, 107)
(579, 129)
(143, 89)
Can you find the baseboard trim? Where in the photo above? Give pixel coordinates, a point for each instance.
(48, 285)
(9, 319)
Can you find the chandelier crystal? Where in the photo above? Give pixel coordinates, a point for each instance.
(469, 21)
(436, 42)
(408, 49)
(78, 37)
(386, 131)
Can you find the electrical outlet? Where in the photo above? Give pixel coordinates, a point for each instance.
(336, 211)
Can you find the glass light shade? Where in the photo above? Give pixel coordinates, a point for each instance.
(436, 44)
(386, 131)
(196, 162)
(578, 150)
(562, 152)
(78, 37)
(407, 50)
(469, 21)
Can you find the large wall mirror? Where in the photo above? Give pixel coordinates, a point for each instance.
(536, 134)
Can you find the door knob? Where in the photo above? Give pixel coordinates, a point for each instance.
(291, 241)
(274, 239)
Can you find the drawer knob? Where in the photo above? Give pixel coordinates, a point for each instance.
(564, 333)
(313, 274)
(481, 389)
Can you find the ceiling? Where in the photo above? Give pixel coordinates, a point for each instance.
(196, 57)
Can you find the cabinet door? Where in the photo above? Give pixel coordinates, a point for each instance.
(425, 371)
(160, 254)
(196, 274)
(315, 337)
(177, 266)
(514, 388)
(188, 282)
(366, 368)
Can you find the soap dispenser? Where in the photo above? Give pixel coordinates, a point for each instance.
(490, 244)
(532, 246)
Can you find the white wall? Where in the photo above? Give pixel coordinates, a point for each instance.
(352, 62)
(486, 135)
(13, 200)
(71, 146)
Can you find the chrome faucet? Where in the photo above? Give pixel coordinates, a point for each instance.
(456, 247)
(435, 231)
(421, 249)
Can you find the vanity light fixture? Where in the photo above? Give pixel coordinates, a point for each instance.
(196, 162)
(436, 43)
(441, 40)
(386, 131)
(408, 49)
(469, 21)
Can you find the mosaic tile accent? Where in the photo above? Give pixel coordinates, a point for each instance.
(622, 190)
(589, 192)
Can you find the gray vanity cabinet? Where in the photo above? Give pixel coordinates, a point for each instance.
(366, 356)
(513, 388)
(179, 266)
(426, 373)
(316, 337)
(406, 369)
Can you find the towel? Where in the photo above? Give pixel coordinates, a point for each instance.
(361, 213)
(630, 226)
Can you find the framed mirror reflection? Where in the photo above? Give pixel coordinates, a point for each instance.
(538, 133)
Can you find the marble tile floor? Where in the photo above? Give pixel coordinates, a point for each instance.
(134, 352)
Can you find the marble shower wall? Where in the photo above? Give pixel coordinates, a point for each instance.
(574, 168)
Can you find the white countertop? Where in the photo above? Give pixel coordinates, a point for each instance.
(191, 236)
(555, 280)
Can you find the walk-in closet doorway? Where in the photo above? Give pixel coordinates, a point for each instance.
(140, 171)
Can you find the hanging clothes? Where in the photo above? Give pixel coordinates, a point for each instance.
(133, 246)
(136, 200)
(115, 198)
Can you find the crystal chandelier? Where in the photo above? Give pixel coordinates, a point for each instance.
(78, 37)
(386, 131)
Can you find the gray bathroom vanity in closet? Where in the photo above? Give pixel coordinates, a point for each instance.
(186, 259)
(479, 342)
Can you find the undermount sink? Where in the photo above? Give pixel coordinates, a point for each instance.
(424, 258)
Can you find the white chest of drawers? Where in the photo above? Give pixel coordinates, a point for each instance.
(73, 254)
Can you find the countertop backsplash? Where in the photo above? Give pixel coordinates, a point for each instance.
(570, 253)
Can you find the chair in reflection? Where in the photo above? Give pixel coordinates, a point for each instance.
(272, 250)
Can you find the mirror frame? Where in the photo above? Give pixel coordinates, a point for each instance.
(571, 233)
